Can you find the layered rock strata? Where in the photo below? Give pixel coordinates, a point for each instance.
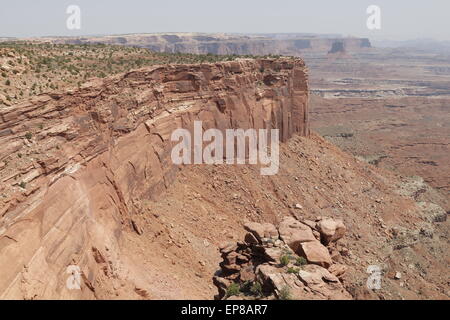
(74, 166)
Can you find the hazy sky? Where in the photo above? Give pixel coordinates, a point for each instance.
(400, 19)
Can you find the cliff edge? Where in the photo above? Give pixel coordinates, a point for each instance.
(75, 165)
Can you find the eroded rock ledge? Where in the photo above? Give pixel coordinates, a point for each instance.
(75, 165)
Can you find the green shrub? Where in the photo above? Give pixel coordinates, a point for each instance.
(22, 185)
(285, 293)
(256, 289)
(293, 270)
(233, 290)
(285, 259)
(28, 135)
(301, 261)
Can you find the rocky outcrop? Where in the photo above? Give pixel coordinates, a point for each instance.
(265, 266)
(75, 165)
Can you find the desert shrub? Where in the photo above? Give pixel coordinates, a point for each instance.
(233, 290)
(301, 261)
(285, 259)
(256, 289)
(285, 293)
(22, 185)
(293, 270)
(28, 135)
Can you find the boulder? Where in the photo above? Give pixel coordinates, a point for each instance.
(264, 271)
(273, 254)
(324, 284)
(231, 258)
(222, 285)
(311, 283)
(316, 253)
(262, 230)
(227, 247)
(330, 230)
(337, 269)
(313, 274)
(293, 232)
(233, 268)
(247, 274)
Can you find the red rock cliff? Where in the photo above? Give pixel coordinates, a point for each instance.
(74, 165)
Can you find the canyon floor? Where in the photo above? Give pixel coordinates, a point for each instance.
(388, 106)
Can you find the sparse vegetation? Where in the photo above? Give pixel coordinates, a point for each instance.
(43, 67)
(293, 270)
(285, 259)
(22, 185)
(285, 293)
(301, 261)
(28, 135)
(256, 289)
(233, 290)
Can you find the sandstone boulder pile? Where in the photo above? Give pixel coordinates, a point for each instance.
(290, 261)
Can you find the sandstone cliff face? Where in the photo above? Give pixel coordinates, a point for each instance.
(74, 165)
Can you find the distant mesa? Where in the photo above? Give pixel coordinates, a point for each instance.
(225, 44)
